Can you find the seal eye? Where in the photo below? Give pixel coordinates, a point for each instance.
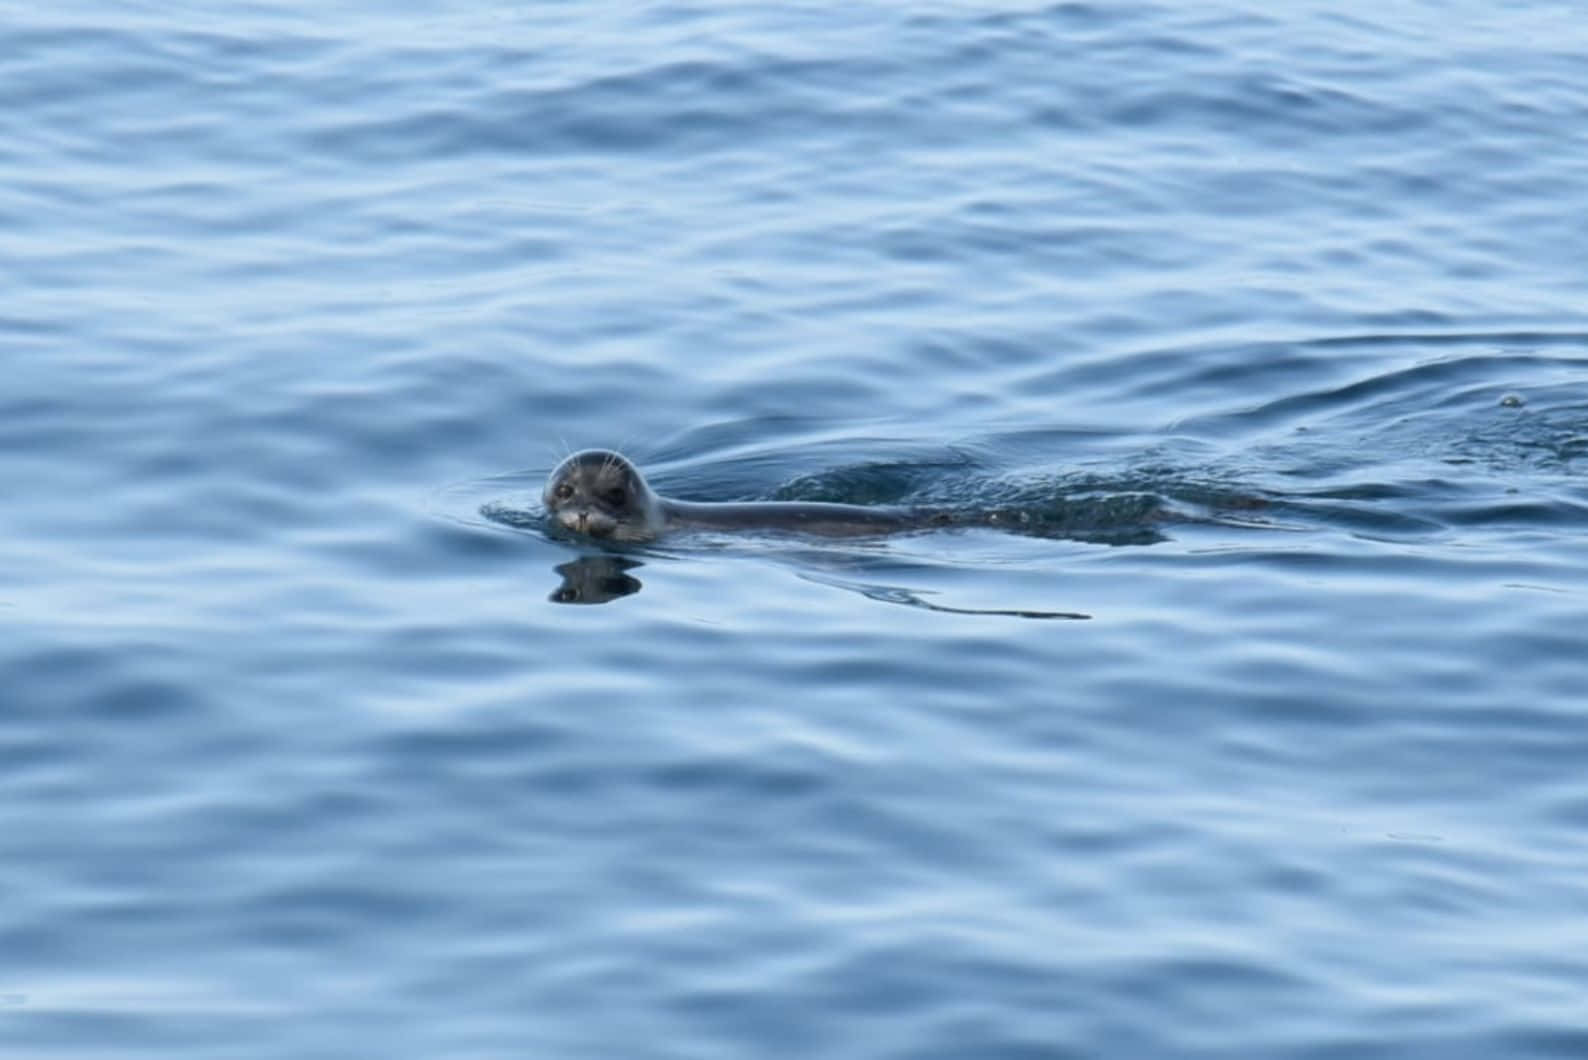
(616, 496)
(563, 491)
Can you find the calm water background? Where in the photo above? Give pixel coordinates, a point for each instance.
(299, 757)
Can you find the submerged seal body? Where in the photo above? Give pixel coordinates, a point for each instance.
(599, 493)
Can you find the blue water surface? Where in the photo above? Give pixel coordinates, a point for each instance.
(1257, 727)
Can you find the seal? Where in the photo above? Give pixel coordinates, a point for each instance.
(601, 494)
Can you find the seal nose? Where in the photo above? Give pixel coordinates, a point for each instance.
(584, 522)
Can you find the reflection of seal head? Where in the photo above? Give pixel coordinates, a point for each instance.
(601, 494)
(595, 580)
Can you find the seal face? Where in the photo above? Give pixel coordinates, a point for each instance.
(599, 493)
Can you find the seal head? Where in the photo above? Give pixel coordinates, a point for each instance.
(599, 493)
